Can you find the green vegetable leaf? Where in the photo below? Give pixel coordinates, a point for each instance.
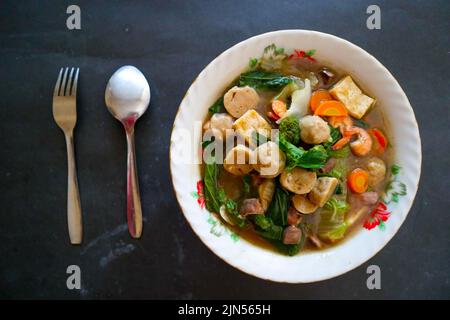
(263, 80)
(290, 249)
(289, 89)
(361, 123)
(267, 229)
(337, 206)
(262, 221)
(338, 189)
(314, 158)
(335, 135)
(232, 208)
(215, 197)
(210, 187)
(246, 184)
(278, 208)
(332, 224)
(206, 143)
(253, 62)
(217, 106)
(341, 153)
(335, 173)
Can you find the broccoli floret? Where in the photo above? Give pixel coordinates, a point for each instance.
(290, 130)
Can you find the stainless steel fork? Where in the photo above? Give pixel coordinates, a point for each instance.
(65, 114)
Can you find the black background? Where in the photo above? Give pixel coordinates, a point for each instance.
(171, 42)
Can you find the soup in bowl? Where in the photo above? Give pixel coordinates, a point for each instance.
(296, 174)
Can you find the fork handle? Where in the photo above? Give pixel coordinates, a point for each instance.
(134, 209)
(73, 196)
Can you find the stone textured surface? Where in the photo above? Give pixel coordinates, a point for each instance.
(171, 42)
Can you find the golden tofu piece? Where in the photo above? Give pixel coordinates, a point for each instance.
(251, 122)
(356, 102)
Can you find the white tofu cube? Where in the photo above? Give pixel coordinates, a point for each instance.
(356, 102)
(251, 122)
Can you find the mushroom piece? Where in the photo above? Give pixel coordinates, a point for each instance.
(303, 204)
(269, 160)
(377, 171)
(239, 100)
(251, 206)
(266, 191)
(292, 235)
(314, 130)
(323, 190)
(298, 180)
(237, 161)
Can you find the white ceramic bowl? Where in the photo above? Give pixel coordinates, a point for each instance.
(316, 265)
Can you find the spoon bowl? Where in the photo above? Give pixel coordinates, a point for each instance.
(127, 93)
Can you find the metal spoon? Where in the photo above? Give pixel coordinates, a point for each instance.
(127, 97)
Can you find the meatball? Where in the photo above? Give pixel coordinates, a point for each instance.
(377, 171)
(298, 180)
(269, 160)
(239, 100)
(314, 130)
(237, 161)
(220, 124)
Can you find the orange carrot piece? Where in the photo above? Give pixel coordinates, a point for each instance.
(317, 97)
(331, 108)
(358, 180)
(279, 107)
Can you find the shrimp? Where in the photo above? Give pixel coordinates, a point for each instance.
(363, 143)
(347, 133)
(361, 146)
(342, 121)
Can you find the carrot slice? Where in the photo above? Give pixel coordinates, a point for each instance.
(381, 139)
(358, 180)
(317, 97)
(279, 107)
(331, 108)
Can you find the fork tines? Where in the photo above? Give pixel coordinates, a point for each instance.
(67, 86)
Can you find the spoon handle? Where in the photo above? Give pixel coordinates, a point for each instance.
(134, 211)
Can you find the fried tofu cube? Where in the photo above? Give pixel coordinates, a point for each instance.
(356, 102)
(251, 122)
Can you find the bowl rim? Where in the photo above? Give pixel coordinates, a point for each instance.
(379, 65)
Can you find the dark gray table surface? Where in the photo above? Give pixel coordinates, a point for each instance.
(171, 42)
